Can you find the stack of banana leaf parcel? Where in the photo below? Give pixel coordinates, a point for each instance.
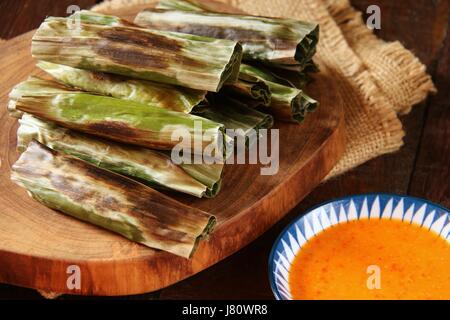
(96, 135)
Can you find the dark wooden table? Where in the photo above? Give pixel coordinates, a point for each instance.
(420, 168)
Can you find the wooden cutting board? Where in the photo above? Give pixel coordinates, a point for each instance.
(38, 246)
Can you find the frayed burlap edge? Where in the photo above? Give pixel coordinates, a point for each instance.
(372, 126)
(400, 75)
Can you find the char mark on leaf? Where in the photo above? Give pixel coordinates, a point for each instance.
(128, 57)
(141, 38)
(113, 128)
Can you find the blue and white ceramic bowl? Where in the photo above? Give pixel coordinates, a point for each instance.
(372, 206)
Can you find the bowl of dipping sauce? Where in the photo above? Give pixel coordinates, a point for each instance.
(370, 247)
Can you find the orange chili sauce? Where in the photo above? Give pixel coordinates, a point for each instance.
(413, 263)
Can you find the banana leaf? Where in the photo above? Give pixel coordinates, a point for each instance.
(309, 67)
(271, 40)
(234, 114)
(182, 5)
(152, 167)
(116, 119)
(36, 87)
(111, 201)
(87, 16)
(209, 175)
(289, 78)
(156, 94)
(250, 87)
(199, 6)
(179, 59)
(288, 103)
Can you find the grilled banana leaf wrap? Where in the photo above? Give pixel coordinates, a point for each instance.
(117, 119)
(191, 61)
(275, 41)
(111, 201)
(162, 95)
(287, 102)
(250, 87)
(149, 166)
(234, 114)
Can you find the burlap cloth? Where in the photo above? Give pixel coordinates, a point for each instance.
(377, 79)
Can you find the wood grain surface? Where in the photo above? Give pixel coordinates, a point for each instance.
(37, 244)
(420, 168)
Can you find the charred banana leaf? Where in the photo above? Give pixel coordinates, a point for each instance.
(36, 87)
(179, 59)
(111, 201)
(288, 103)
(156, 94)
(251, 88)
(198, 6)
(289, 78)
(309, 67)
(208, 174)
(154, 168)
(121, 120)
(272, 40)
(235, 115)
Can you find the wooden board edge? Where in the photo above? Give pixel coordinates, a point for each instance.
(51, 276)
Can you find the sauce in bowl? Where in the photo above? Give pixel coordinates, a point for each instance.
(372, 259)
